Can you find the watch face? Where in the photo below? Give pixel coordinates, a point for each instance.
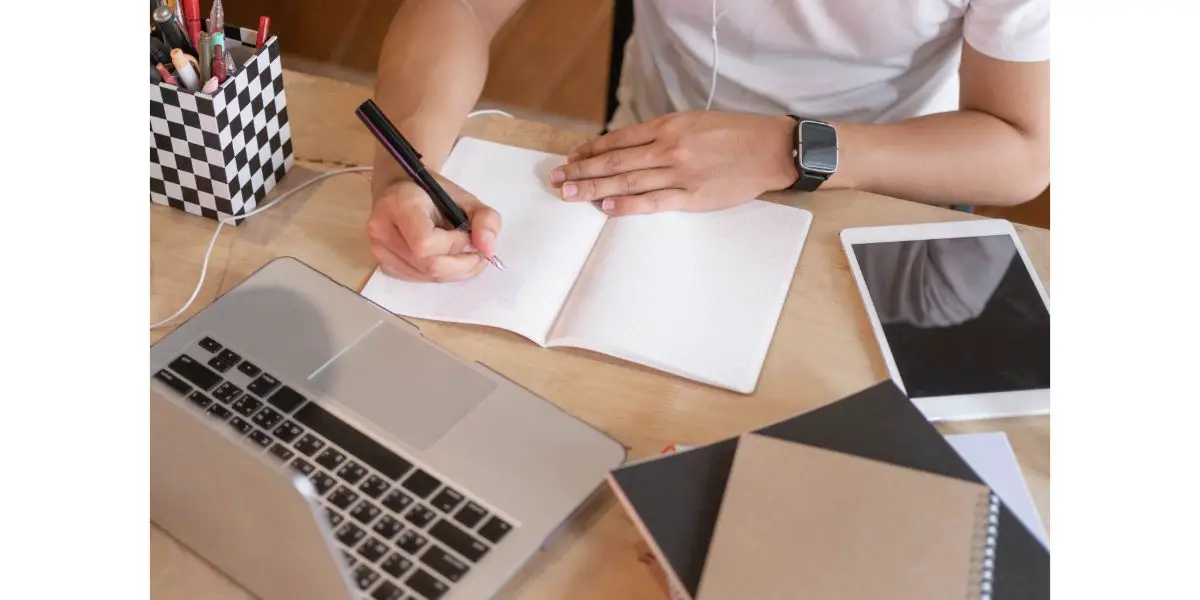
(818, 147)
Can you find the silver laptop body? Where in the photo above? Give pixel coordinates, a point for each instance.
(310, 444)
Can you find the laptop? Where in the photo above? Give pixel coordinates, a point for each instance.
(310, 444)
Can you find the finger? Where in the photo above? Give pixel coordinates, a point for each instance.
(625, 137)
(485, 228)
(454, 267)
(618, 161)
(423, 238)
(641, 204)
(624, 184)
(390, 263)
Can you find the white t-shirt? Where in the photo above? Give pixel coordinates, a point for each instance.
(865, 61)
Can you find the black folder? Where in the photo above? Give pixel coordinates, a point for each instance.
(676, 498)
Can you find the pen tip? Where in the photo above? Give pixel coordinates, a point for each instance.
(496, 262)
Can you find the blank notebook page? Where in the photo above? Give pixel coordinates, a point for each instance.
(799, 522)
(543, 243)
(695, 294)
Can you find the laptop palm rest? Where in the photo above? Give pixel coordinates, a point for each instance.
(403, 385)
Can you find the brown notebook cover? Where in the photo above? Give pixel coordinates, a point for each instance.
(799, 522)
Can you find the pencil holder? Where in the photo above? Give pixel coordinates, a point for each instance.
(217, 155)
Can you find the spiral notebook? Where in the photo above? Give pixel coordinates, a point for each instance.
(674, 500)
(799, 522)
(697, 295)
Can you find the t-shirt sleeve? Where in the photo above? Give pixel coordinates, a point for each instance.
(1014, 30)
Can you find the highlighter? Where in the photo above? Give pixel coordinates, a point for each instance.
(185, 70)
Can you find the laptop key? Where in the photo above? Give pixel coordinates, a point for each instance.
(210, 344)
(364, 512)
(387, 527)
(470, 515)
(445, 563)
(226, 393)
(263, 385)
(261, 438)
(372, 550)
(219, 364)
(387, 591)
(396, 501)
(350, 534)
(420, 516)
(246, 405)
(199, 399)
(342, 497)
(374, 487)
(267, 418)
(365, 449)
(421, 483)
(331, 459)
(219, 412)
(243, 426)
(364, 577)
(426, 585)
(288, 432)
(352, 472)
(334, 517)
(286, 399)
(302, 467)
(200, 375)
(458, 540)
(249, 369)
(230, 356)
(173, 381)
(447, 500)
(309, 444)
(282, 452)
(410, 541)
(322, 481)
(494, 530)
(395, 565)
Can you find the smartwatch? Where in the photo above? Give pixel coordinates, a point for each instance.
(815, 153)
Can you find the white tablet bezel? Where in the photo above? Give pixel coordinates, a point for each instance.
(957, 407)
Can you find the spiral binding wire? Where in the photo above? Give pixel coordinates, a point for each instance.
(983, 561)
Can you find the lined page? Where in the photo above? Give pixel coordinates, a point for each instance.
(544, 243)
(694, 294)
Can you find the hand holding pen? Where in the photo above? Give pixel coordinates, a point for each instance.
(422, 226)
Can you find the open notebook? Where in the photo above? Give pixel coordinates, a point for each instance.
(697, 295)
(799, 522)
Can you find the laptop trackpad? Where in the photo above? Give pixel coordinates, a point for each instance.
(403, 385)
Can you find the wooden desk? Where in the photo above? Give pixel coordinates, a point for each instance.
(822, 350)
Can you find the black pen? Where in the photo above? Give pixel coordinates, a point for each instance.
(410, 160)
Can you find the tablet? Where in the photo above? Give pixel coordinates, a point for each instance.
(960, 315)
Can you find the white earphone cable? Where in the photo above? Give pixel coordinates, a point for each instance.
(221, 223)
(712, 85)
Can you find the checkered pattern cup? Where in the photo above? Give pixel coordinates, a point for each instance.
(217, 155)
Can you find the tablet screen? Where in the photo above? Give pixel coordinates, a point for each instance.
(961, 315)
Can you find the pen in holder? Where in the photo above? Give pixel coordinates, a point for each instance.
(218, 155)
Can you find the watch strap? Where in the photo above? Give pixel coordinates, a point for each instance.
(808, 180)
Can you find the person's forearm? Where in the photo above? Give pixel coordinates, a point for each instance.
(963, 157)
(431, 71)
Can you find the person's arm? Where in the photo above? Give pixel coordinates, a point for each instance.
(432, 68)
(431, 71)
(995, 150)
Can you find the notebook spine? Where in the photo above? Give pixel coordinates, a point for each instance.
(983, 545)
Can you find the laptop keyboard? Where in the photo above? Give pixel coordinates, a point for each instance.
(403, 532)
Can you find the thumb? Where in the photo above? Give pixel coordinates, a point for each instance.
(485, 227)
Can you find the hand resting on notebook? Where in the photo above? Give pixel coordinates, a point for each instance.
(410, 239)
